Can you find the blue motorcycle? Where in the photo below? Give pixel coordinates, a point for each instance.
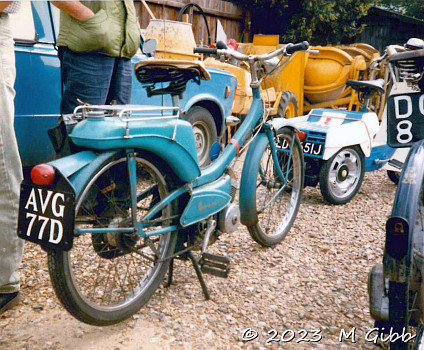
(395, 287)
(114, 215)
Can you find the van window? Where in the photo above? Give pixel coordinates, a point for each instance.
(22, 23)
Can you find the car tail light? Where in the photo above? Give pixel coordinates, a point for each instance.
(42, 174)
(227, 91)
(301, 135)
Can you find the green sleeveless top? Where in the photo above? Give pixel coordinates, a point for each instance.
(113, 31)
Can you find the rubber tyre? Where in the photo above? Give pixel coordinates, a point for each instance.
(403, 254)
(400, 303)
(287, 107)
(327, 190)
(394, 176)
(67, 292)
(205, 134)
(398, 310)
(257, 231)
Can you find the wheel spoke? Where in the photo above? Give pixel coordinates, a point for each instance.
(277, 199)
(111, 271)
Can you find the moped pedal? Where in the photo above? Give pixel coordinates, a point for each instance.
(396, 163)
(215, 265)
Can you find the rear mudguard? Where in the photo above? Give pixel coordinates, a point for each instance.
(80, 167)
(247, 195)
(171, 140)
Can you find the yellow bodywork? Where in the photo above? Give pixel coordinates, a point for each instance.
(288, 77)
(317, 80)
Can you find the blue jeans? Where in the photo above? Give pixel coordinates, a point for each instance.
(94, 79)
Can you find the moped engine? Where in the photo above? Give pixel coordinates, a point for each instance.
(229, 218)
(379, 302)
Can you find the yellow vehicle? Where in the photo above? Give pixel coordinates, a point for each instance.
(282, 96)
(303, 81)
(327, 72)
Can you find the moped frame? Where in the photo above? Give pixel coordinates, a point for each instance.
(208, 174)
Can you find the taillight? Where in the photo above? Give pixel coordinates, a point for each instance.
(42, 174)
(397, 237)
(301, 135)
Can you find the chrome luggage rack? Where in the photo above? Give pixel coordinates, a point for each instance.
(126, 113)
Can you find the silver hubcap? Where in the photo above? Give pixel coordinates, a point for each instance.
(202, 139)
(345, 172)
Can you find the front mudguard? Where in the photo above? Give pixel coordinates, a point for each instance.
(401, 236)
(247, 194)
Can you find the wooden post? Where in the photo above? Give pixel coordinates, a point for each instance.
(186, 18)
(152, 16)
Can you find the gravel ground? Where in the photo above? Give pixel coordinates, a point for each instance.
(314, 280)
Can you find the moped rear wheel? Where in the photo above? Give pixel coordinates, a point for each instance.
(278, 199)
(107, 277)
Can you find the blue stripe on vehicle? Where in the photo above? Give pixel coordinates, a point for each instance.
(316, 115)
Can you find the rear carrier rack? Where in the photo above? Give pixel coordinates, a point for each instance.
(128, 114)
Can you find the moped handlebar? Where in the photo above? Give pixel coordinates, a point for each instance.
(206, 50)
(292, 48)
(286, 50)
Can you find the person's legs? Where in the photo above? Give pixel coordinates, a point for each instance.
(86, 77)
(11, 247)
(121, 82)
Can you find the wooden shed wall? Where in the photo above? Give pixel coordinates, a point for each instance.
(384, 28)
(232, 17)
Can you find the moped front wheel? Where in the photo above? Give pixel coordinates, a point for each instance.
(404, 255)
(278, 193)
(107, 277)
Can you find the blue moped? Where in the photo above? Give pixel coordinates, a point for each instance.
(114, 215)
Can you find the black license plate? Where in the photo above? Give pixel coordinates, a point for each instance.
(313, 149)
(405, 119)
(46, 217)
(309, 148)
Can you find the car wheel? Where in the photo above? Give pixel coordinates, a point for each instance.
(205, 134)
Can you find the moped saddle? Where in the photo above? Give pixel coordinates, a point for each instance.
(176, 73)
(367, 87)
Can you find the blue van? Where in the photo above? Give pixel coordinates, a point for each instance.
(38, 88)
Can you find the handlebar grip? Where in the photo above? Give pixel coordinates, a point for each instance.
(205, 50)
(221, 45)
(292, 48)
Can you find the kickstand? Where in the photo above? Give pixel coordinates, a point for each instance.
(199, 275)
(170, 274)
